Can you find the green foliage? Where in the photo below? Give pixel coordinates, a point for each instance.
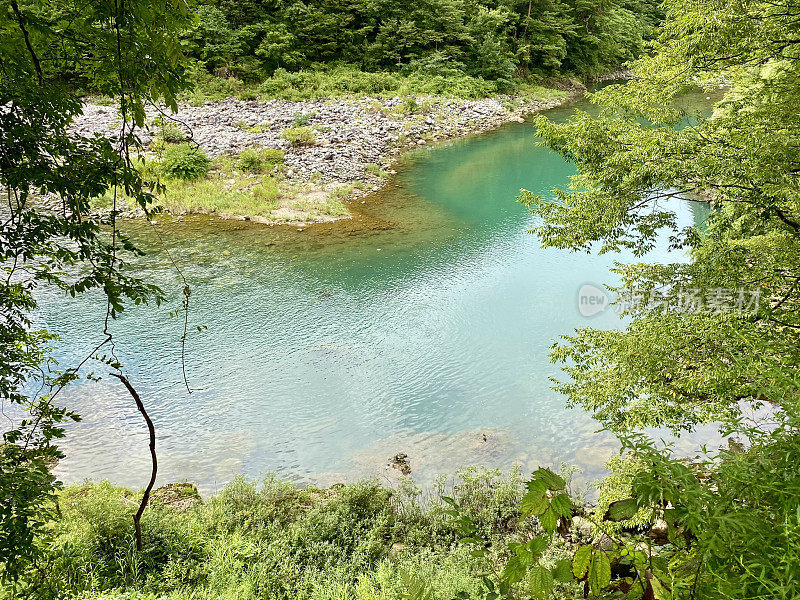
(726, 522)
(272, 539)
(349, 80)
(528, 563)
(302, 119)
(451, 39)
(259, 160)
(49, 51)
(169, 132)
(184, 161)
(672, 368)
(409, 106)
(28, 490)
(300, 136)
(375, 170)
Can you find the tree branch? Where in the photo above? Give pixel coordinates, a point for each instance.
(34, 58)
(152, 430)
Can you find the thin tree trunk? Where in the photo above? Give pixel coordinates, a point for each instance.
(152, 430)
(527, 22)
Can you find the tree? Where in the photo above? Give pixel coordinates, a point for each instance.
(491, 55)
(545, 30)
(717, 336)
(677, 368)
(49, 51)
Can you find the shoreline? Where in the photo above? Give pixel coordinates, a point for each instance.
(357, 143)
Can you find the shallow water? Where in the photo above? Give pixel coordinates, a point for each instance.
(420, 326)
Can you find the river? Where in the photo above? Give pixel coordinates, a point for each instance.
(421, 326)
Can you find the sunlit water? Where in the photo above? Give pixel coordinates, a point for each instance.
(420, 326)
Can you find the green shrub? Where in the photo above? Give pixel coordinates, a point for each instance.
(184, 161)
(262, 160)
(271, 539)
(273, 155)
(349, 80)
(302, 119)
(171, 133)
(300, 136)
(409, 106)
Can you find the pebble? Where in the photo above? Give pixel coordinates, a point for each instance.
(351, 134)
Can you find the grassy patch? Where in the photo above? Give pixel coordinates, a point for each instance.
(225, 194)
(375, 170)
(347, 80)
(259, 160)
(272, 540)
(251, 185)
(300, 136)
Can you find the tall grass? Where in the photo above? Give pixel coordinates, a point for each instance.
(272, 539)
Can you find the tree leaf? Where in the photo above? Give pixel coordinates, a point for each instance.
(659, 591)
(563, 571)
(549, 520)
(538, 544)
(514, 570)
(534, 503)
(541, 582)
(562, 505)
(599, 572)
(621, 510)
(550, 479)
(581, 560)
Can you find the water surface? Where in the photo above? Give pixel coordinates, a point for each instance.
(420, 326)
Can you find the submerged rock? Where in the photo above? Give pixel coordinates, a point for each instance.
(400, 462)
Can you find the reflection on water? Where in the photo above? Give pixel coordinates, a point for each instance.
(420, 326)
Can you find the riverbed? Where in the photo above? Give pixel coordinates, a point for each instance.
(420, 326)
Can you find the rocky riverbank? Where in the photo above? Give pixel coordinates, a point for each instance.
(348, 145)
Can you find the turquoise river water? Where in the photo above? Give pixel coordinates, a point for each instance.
(422, 326)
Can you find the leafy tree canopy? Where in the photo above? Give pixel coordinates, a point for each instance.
(678, 368)
(492, 39)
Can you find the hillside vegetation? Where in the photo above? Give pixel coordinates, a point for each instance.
(463, 48)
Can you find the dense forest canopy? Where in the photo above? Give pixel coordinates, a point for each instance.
(494, 39)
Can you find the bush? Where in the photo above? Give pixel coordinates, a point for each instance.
(349, 80)
(262, 160)
(409, 106)
(270, 539)
(300, 136)
(184, 161)
(170, 133)
(302, 119)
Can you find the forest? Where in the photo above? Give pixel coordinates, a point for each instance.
(496, 41)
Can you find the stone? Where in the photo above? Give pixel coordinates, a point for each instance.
(359, 134)
(179, 496)
(659, 532)
(583, 527)
(605, 543)
(400, 462)
(396, 549)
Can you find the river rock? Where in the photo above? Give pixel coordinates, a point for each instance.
(583, 527)
(400, 462)
(179, 496)
(351, 134)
